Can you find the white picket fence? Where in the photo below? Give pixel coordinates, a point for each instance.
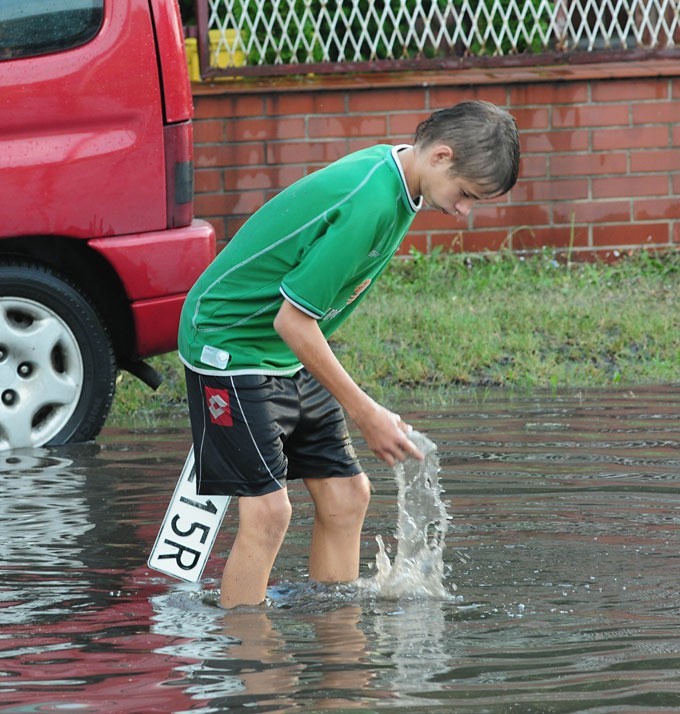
(317, 31)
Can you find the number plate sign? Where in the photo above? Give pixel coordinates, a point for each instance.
(189, 528)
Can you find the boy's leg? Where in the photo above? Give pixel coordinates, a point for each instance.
(340, 507)
(263, 522)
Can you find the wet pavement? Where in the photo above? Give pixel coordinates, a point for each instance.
(563, 542)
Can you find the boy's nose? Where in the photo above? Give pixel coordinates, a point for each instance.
(464, 206)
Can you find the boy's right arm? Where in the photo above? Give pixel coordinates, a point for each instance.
(384, 431)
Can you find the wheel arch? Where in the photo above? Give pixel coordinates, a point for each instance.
(90, 273)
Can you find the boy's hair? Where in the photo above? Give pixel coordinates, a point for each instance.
(484, 141)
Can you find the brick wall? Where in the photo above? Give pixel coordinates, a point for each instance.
(600, 164)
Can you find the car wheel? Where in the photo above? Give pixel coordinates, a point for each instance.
(57, 366)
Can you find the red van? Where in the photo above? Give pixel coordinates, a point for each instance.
(98, 245)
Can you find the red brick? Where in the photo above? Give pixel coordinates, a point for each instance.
(395, 100)
(511, 215)
(228, 106)
(329, 103)
(533, 166)
(402, 126)
(496, 94)
(243, 105)
(550, 141)
(229, 155)
(211, 204)
(218, 225)
(418, 241)
(553, 190)
(631, 234)
(250, 129)
(475, 241)
(548, 93)
(205, 156)
(209, 131)
(592, 212)
(300, 152)
(423, 220)
(266, 178)
(629, 186)
(294, 104)
(652, 209)
(287, 174)
(245, 202)
(577, 117)
(655, 160)
(656, 113)
(207, 181)
(349, 125)
(441, 97)
(631, 138)
(365, 142)
(429, 220)
(587, 164)
(453, 241)
(635, 90)
(263, 129)
(531, 119)
(250, 177)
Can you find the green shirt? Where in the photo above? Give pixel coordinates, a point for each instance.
(320, 244)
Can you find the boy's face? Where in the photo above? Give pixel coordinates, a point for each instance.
(443, 190)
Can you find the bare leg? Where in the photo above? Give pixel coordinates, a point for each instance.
(263, 522)
(341, 505)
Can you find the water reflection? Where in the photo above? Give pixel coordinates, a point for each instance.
(265, 656)
(563, 544)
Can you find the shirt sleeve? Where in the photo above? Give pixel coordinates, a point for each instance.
(331, 263)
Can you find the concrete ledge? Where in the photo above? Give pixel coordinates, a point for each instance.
(467, 76)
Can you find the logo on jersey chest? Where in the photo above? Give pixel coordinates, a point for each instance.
(334, 312)
(358, 290)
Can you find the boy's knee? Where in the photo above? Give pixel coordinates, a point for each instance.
(345, 499)
(268, 516)
(361, 492)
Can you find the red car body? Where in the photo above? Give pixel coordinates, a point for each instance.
(96, 184)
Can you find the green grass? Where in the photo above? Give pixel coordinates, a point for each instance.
(439, 323)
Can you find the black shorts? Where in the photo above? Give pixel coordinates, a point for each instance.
(254, 432)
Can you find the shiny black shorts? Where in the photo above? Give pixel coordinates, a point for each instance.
(254, 432)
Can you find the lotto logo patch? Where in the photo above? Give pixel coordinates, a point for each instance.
(217, 401)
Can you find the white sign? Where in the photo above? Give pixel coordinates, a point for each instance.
(189, 528)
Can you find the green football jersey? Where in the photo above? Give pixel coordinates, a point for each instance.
(320, 244)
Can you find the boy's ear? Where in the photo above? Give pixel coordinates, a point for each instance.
(441, 153)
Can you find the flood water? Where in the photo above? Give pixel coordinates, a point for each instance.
(563, 542)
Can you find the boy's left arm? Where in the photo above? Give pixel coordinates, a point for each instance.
(384, 431)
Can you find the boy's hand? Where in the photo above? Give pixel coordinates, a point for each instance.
(386, 435)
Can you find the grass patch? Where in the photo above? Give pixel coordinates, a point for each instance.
(439, 322)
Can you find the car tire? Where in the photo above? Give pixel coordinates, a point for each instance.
(57, 365)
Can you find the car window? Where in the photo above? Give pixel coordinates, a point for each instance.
(36, 27)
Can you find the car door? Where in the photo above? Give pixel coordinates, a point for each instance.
(81, 119)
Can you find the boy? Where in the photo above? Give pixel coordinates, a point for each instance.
(266, 393)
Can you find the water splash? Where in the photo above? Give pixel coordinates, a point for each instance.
(418, 567)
